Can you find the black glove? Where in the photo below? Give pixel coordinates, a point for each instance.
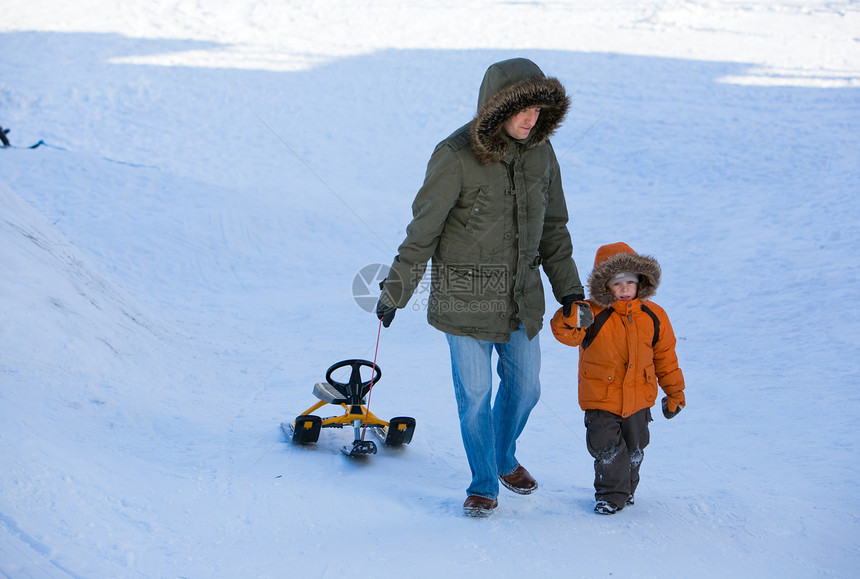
(668, 413)
(568, 301)
(385, 313)
(584, 316)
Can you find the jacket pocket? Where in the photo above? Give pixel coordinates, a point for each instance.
(489, 225)
(466, 295)
(650, 386)
(478, 210)
(544, 193)
(595, 382)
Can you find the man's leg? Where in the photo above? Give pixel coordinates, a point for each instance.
(519, 392)
(473, 383)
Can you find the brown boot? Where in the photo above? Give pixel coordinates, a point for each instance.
(479, 506)
(520, 481)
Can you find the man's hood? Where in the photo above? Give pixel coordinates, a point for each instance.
(509, 87)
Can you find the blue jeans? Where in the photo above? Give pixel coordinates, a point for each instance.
(490, 432)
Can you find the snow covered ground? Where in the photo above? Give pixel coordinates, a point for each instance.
(178, 260)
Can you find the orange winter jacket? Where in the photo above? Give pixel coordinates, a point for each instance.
(621, 365)
(629, 349)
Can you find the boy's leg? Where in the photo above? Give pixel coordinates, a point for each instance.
(518, 393)
(611, 461)
(636, 436)
(473, 384)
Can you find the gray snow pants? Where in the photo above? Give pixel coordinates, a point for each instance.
(617, 445)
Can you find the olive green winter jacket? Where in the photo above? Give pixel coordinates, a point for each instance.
(490, 212)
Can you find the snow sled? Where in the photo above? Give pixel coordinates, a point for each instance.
(305, 429)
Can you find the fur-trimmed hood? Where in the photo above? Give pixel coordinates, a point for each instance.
(616, 258)
(509, 87)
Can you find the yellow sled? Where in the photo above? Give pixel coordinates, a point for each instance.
(305, 429)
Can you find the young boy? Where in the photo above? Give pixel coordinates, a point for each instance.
(623, 355)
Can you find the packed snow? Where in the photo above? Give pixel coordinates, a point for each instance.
(180, 257)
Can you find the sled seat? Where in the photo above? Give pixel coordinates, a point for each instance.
(330, 394)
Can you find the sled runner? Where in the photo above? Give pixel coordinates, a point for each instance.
(305, 429)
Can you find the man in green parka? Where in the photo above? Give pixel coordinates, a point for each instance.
(490, 212)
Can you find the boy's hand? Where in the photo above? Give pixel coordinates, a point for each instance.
(585, 318)
(671, 413)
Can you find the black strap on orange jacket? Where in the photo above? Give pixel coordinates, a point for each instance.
(601, 318)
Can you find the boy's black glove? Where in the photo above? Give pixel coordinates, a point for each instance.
(385, 313)
(584, 317)
(669, 413)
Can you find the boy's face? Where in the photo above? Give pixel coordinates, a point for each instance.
(625, 290)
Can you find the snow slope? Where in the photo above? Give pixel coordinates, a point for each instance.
(178, 263)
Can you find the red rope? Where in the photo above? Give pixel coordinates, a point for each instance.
(372, 377)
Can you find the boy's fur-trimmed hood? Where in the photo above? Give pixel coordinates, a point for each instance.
(616, 258)
(509, 87)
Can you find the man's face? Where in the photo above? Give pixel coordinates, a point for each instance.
(520, 125)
